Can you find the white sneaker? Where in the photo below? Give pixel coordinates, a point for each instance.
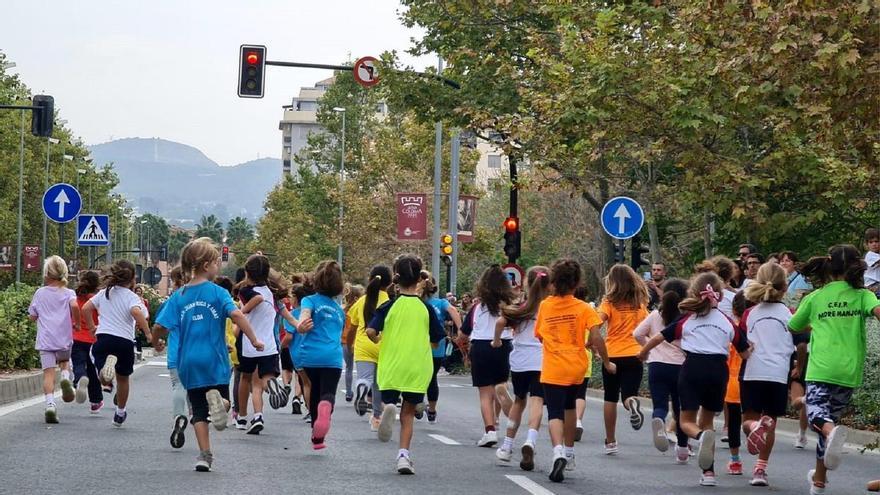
(108, 371)
(834, 447)
(611, 448)
(708, 479)
(503, 455)
(800, 441)
(569, 462)
(814, 490)
(82, 390)
(490, 438)
(51, 414)
(386, 422)
(557, 474)
(682, 454)
(660, 439)
(405, 465)
(706, 456)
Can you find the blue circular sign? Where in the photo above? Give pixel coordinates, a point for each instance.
(622, 217)
(62, 203)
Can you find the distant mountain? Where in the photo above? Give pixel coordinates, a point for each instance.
(180, 183)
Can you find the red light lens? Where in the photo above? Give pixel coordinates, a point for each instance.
(253, 58)
(511, 224)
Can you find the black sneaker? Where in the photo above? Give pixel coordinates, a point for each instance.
(177, 436)
(118, 419)
(432, 417)
(360, 401)
(256, 426)
(308, 418)
(274, 389)
(296, 406)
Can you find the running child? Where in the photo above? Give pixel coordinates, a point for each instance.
(525, 367)
(85, 375)
(444, 312)
(581, 403)
(197, 313)
(366, 352)
(733, 411)
(561, 325)
(178, 392)
(836, 313)
(320, 352)
(664, 367)
(705, 334)
(302, 387)
(54, 309)
(408, 327)
(765, 375)
(113, 351)
(351, 294)
(624, 306)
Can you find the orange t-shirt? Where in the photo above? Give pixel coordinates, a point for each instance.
(622, 321)
(561, 325)
(733, 364)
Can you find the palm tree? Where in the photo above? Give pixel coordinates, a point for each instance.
(239, 230)
(176, 241)
(210, 226)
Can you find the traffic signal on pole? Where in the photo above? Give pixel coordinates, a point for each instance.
(251, 71)
(163, 252)
(619, 252)
(224, 257)
(43, 118)
(637, 250)
(512, 239)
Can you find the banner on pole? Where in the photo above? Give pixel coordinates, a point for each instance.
(467, 218)
(6, 257)
(32, 258)
(412, 217)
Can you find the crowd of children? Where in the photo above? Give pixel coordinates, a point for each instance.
(714, 345)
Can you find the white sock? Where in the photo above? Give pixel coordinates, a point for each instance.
(258, 415)
(569, 451)
(558, 450)
(120, 410)
(65, 375)
(50, 399)
(508, 443)
(533, 435)
(580, 424)
(403, 453)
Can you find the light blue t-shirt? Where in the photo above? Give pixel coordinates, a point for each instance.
(797, 282)
(198, 315)
(441, 309)
(322, 347)
(171, 339)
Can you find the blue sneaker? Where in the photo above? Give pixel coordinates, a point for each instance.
(118, 418)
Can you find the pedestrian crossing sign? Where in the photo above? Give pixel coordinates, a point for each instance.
(93, 230)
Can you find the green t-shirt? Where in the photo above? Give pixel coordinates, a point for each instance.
(836, 313)
(408, 327)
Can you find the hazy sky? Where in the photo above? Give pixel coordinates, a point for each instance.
(168, 68)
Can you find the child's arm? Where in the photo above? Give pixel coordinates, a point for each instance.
(306, 324)
(74, 314)
(251, 304)
(158, 332)
(597, 343)
(499, 327)
(288, 316)
(650, 344)
(238, 318)
(642, 329)
(141, 321)
(454, 315)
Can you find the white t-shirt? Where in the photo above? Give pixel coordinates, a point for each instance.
(527, 350)
(484, 325)
(115, 313)
(709, 334)
(872, 274)
(766, 326)
(262, 320)
(725, 305)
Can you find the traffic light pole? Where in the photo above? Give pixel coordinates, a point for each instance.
(453, 208)
(303, 65)
(514, 196)
(621, 245)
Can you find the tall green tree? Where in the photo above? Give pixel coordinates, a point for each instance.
(210, 226)
(239, 230)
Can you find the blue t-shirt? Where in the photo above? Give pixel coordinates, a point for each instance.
(296, 339)
(171, 340)
(198, 315)
(441, 309)
(322, 347)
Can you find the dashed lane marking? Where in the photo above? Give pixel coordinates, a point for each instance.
(444, 440)
(529, 485)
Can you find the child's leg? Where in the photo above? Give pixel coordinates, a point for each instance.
(734, 423)
(764, 455)
(516, 411)
(48, 363)
(306, 387)
(79, 356)
(348, 357)
(487, 406)
(611, 384)
(178, 394)
(96, 395)
(122, 382)
(434, 387)
(236, 381)
(258, 385)
(569, 427)
(659, 382)
(407, 418)
(688, 423)
(536, 411)
(243, 393)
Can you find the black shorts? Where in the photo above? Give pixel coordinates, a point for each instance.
(527, 383)
(764, 398)
(286, 360)
(199, 401)
(120, 347)
(703, 382)
(489, 366)
(560, 398)
(626, 381)
(267, 365)
(582, 389)
(391, 396)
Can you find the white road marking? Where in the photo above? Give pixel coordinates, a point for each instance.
(164, 374)
(156, 363)
(529, 485)
(453, 385)
(444, 440)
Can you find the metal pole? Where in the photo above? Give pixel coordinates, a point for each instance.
(453, 207)
(438, 178)
(341, 191)
(45, 220)
(20, 200)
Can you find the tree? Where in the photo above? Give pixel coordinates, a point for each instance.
(176, 241)
(153, 231)
(239, 230)
(210, 226)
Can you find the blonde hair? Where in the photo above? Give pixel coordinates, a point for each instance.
(54, 268)
(770, 284)
(176, 277)
(623, 286)
(195, 255)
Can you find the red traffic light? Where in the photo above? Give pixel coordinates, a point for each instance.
(511, 224)
(225, 249)
(253, 58)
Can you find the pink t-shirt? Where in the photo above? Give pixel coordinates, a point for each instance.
(51, 306)
(669, 353)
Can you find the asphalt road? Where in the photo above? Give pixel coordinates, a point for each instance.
(85, 454)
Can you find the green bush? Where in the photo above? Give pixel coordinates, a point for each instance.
(866, 399)
(17, 333)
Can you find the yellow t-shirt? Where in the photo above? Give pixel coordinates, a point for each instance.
(230, 342)
(622, 321)
(562, 325)
(364, 348)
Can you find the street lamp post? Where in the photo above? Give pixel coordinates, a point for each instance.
(50, 141)
(341, 185)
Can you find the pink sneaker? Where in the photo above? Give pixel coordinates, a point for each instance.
(322, 424)
(758, 437)
(95, 408)
(735, 468)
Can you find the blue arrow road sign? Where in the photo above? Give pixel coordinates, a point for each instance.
(622, 217)
(61, 203)
(93, 230)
